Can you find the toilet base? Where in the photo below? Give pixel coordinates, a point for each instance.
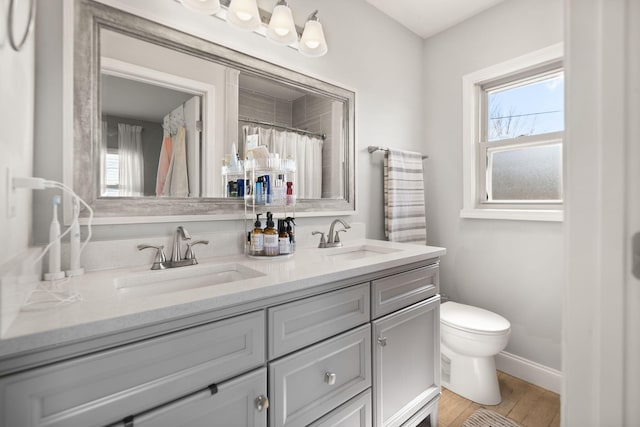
(473, 378)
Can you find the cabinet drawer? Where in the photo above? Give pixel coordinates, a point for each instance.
(233, 405)
(300, 323)
(301, 389)
(401, 290)
(106, 387)
(354, 413)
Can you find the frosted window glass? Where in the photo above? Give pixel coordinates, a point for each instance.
(531, 173)
(112, 176)
(529, 109)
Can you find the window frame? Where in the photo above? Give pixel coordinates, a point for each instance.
(475, 145)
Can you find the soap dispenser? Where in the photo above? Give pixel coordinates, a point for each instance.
(292, 233)
(284, 244)
(270, 237)
(257, 238)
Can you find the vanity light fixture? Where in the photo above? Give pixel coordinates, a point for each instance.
(206, 7)
(312, 42)
(244, 14)
(281, 26)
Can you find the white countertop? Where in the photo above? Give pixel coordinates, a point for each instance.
(104, 310)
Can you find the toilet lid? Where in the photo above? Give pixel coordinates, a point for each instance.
(472, 319)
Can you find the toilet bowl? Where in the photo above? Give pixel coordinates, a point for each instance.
(470, 338)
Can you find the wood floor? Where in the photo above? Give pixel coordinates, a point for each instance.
(522, 402)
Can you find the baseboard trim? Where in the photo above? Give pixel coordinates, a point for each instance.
(535, 373)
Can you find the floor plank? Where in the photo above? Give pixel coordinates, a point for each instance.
(522, 402)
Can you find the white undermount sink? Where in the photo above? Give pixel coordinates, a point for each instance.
(183, 278)
(357, 252)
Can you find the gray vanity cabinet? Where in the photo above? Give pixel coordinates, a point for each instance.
(108, 386)
(406, 357)
(360, 352)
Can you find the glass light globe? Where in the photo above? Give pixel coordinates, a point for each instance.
(244, 14)
(281, 27)
(312, 42)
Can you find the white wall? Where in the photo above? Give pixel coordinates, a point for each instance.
(16, 138)
(511, 267)
(381, 61)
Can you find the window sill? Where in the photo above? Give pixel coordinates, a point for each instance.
(551, 215)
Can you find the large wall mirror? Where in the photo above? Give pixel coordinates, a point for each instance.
(162, 118)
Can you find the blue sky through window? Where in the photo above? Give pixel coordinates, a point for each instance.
(529, 109)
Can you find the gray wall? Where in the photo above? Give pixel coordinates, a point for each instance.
(511, 267)
(16, 138)
(256, 106)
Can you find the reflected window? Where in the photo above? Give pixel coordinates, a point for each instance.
(112, 173)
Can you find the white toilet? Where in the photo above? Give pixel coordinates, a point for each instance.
(470, 337)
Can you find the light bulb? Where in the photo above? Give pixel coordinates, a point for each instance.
(312, 42)
(244, 14)
(281, 27)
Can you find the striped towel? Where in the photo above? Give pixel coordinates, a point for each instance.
(404, 210)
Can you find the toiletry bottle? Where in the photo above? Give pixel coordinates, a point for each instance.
(284, 244)
(270, 237)
(54, 272)
(292, 233)
(278, 191)
(289, 198)
(267, 189)
(258, 192)
(257, 238)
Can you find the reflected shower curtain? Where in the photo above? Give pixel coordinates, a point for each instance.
(131, 160)
(305, 149)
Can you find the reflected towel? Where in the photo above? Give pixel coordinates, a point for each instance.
(163, 165)
(177, 184)
(404, 208)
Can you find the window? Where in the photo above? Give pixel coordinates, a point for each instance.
(112, 173)
(513, 132)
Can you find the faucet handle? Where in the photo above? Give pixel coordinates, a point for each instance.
(189, 254)
(160, 259)
(323, 241)
(336, 239)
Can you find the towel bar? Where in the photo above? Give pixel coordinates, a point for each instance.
(373, 149)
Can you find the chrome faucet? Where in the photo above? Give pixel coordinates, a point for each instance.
(333, 240)
(180, 235)
(160, 262)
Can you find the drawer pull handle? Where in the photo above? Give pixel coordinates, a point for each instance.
(262, 403)
(382, 341)
(330, 378)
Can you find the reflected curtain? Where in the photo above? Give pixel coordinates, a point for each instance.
(131, 160)
(305, 149)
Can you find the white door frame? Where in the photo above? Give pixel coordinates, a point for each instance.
(598, 302)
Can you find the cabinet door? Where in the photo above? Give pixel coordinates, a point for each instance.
(406, 362)
(234, 404)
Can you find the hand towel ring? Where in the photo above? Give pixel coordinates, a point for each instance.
(32, 14)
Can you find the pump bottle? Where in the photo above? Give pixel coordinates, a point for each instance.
(257, 238)
(270, 237)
